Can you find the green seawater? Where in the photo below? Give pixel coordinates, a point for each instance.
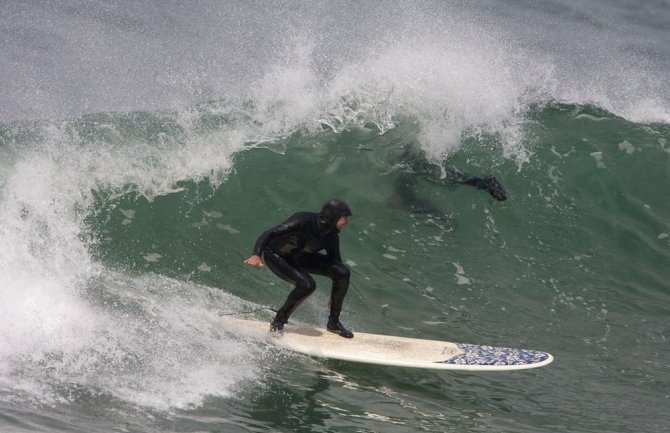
(574, 263)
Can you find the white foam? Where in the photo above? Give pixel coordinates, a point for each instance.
(150, 341)
(152, 257)
(599, 159)
(461, 279)
(463, 55)
(67, 321)
(625, 146)
(227, 228)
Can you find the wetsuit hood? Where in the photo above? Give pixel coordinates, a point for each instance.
(331, 211)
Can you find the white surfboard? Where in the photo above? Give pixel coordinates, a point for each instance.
(392, 350)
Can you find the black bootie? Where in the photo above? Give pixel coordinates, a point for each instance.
(335, 326)
(285, 311)
(279, 321)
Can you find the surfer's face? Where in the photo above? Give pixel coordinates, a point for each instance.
(341, 222)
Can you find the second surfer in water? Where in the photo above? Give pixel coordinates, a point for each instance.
(291, 251)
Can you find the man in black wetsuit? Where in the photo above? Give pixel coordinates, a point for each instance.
(291, 251)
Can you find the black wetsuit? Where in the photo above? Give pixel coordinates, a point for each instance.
(292, 251)
(415, 160)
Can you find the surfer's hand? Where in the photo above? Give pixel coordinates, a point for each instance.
(495, 188)
(254, 261)
(489, 184)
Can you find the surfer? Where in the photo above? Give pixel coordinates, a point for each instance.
(405, 196)
(414, 165)
(291, 251)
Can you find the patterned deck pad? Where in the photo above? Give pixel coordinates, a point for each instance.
(490, 355)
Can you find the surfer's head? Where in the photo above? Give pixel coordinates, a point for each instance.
(334, 214)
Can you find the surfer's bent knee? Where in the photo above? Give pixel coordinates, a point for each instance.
(341, 271)
(306, 286)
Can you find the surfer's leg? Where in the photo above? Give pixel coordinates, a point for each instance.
(304, 286)
(339, 274)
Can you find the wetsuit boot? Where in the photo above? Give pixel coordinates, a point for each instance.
(281, 319)
(335, 326)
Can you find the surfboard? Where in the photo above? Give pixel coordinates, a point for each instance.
(392, 350)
